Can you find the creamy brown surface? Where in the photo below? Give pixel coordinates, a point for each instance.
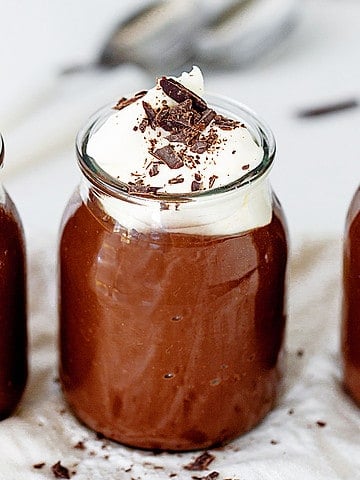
(13, 358)
(170, 341)
(351, 300)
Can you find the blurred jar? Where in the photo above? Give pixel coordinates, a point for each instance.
(351, 300)
(13, 338)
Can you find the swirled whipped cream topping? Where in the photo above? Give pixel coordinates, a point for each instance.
(168, 140)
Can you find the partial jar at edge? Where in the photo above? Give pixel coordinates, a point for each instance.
(351, 300)
(13, 338)
(171, 340)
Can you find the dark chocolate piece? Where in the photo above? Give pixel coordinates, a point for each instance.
(154, 170)
(195, 186)
(201, 462)
(141, 189)
(207, 117)
(124, 102)
(212, 180)
(225, 123)
(80, 446)
(39, 466)
(143, 124)
(321, 424)
(199, 146)
(150, 113)
(168, 155)
(59, 471)
(211, 476)
(179, 93)
(174, 181)
(175, 118)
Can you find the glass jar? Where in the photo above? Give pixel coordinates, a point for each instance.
(351, 300)
(13, 338)
(172, 308)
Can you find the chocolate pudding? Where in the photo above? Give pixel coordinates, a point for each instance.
(351, 300)
(172, 274)
(13, 358)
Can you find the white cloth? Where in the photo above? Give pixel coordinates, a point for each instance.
(289, 444)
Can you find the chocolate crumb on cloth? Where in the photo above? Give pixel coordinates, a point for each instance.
(210, 476)
(59, 471)
(201, 462)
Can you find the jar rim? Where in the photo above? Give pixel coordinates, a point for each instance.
(236, 110)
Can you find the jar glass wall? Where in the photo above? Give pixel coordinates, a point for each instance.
(13, 338)
(351, 300)
(172, 307)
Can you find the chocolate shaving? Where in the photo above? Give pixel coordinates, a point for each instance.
(143, 124)
(124, 102)
(225, 123)
(321, 424)
(176, 118)
(174, 181)
(179, 93)
(80, 446)
(39, 466)
(150, 113)
(195, 186)
(212, 180)
(211, 476)
(154, 170)
(141, 189)
(190, 162)
(197, 177)
(168, 155)
(245, 167)
(199, 146)
(201, 462)
(60, 471)
(207, 117)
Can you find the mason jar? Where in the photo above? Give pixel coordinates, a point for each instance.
(351, 300)
(172, 306)
(13, 338)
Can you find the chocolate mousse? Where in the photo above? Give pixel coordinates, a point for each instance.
(351, 300)
(13, 358)
(172, 280)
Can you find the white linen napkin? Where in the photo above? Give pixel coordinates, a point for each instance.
(312, 433)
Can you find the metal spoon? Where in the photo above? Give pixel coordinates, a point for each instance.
(165, 35)
(157, 37)
(246, 31)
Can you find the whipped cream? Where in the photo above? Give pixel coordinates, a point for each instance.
(168, 140)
